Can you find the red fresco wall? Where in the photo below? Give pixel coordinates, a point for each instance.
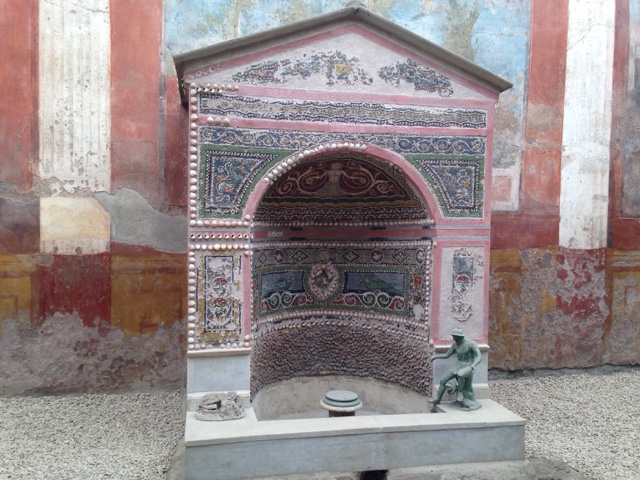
(19, 81)
(554, 307)
(536, 223)
(109, 320)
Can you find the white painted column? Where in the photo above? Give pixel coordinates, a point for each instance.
(74, 88)
(584, 194)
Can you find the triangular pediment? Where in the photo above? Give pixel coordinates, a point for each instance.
(350, 50)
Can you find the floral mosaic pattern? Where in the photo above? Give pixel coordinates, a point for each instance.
(335, 66)
(301, 281)
(340, 112)
(420, 76)
(219, 297)
(464, 276)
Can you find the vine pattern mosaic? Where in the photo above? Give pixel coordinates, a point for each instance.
(359, 284)
(297, 140)
(340, 112)
(219, 296)
(453, 165)
(335, 66)
(420, 76)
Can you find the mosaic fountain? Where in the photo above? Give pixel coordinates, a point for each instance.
(339, 197)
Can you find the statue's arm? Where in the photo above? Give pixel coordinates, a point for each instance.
(443, 355)
(477, 355)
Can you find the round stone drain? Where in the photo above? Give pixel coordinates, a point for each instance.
(341, 403)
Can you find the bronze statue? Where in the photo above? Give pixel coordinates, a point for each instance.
(469, 356)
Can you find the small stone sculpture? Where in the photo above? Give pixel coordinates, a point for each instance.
(220, 406)
(469, 356)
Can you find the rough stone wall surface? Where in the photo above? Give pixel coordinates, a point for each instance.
(63, 355)
(552, 308)
(333, 350)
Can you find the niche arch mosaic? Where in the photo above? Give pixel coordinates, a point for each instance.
(337, 307)
(340, 187)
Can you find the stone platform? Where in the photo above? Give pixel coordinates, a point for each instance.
(248, 448)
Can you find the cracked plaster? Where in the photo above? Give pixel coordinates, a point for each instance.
(134, 221)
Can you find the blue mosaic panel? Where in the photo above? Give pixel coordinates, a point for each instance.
(357, 113)
(391, 283)
(301, 280)
(420, 76)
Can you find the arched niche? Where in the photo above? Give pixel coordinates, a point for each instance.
(345, 291)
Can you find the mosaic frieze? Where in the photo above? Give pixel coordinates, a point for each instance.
(296, 140)
(457, 183)
(363, 283)
(227, 177)
(464, 276)
(334, 66)
(420, 76)
(219, 297)
(340, 188)
(340, 112)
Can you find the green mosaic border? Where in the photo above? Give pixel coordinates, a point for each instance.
(478, 211)
(257, 176)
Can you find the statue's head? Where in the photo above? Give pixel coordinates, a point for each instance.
(457, 334)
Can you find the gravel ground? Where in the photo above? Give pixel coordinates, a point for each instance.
(591, 422)
(118, 437)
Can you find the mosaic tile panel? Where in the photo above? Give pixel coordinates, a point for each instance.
(357, 113)
(219, 297)
(363, 283)
(342, 308)
(339, 188)
(457, 182)
(227, 177)
(463, 277)
(454, 166)
(420, 76)
(296, 140)
(334, 66)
